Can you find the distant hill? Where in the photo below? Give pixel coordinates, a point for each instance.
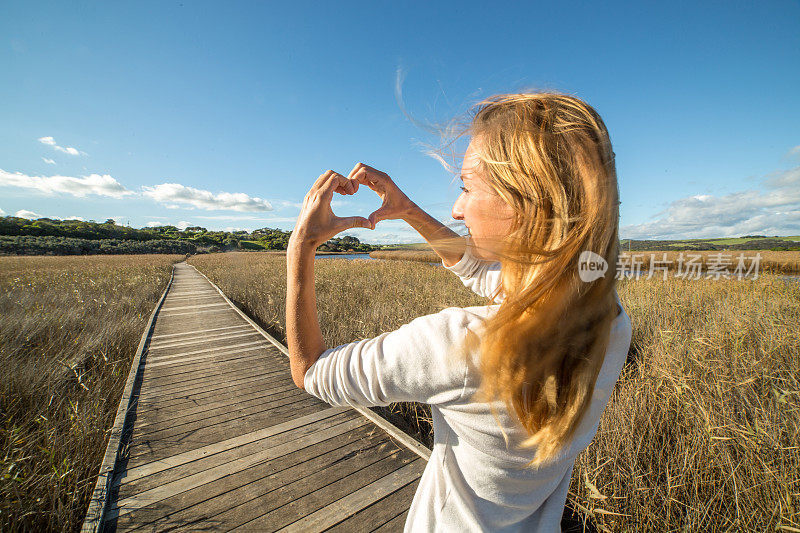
(745, 242)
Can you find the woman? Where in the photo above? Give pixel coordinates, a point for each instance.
(517, 388)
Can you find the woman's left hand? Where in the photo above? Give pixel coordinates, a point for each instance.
(317, 223)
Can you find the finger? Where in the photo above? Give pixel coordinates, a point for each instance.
(369, 179)
(322, 179)
(344, 223)
(355, 169)
(348, 188)
(334, 181)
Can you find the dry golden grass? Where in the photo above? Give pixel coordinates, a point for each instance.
(702, 432)
(69, 330)
(423, 256)
(775, 262)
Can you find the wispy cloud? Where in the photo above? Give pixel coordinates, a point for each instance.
(772, 210)
(2, 213)
(246, 218)
(49, 141)
(286, 204)
(24, 213)
(793, 152)
(94, 184)
(175, 193)
(48, 161)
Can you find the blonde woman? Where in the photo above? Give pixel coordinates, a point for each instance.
(516, 389)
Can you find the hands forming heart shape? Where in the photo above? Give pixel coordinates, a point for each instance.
(317, 223)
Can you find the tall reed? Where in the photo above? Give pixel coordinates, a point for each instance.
(70, 326)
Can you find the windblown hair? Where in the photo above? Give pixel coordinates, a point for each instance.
(549, 157)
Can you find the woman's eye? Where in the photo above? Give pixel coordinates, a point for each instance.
(464, 189)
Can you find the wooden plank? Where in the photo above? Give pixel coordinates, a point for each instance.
(150, 450)
(225, 347)
(183, 333)
(204, 506)
(158, 354)
(304, 442)
(312, 420)
(200, 340)
(175, 418)
(355, 472)
(395, 525)
(166, 490)
(235, 378)
(256, 386)
(194, 306)
(202, 366)
(195, 313)
(221, 423)
(169, 390)
(335, 512)
(380, 512)
(175, 427)
(235, 353)
(252, 359)
(308, 473)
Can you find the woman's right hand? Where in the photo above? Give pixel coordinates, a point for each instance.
(395, 204)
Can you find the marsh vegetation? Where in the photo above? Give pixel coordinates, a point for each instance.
(69, 330)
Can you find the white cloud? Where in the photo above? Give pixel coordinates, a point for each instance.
(772, 210)
(74, 217)
(175, 193)
(49, 141)
(154, 224)
(793, 151)
(48, 161)
(24, 213)
(182, 225)
(2, 213)
(95, 184)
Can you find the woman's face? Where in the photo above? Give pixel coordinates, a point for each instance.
(487, 217)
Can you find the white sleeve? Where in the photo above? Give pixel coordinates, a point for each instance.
(411, 364)
(483, 277)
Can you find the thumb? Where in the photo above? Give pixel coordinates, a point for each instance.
(378, 215)
(354, 222)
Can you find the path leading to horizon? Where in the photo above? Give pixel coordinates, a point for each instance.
(222, 439)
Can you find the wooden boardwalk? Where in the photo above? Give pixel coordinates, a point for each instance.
(218, 437)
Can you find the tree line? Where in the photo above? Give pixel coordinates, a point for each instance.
(75, 237)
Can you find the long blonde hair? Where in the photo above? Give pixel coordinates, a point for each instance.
(549, 156)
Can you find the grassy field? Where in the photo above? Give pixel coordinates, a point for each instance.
(702, 431)
(776, 262)
(70, 327)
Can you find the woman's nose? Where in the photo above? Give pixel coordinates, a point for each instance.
(458, 212)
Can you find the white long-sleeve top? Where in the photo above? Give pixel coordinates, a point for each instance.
(474, 480)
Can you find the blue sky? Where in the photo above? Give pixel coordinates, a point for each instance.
(223, 114)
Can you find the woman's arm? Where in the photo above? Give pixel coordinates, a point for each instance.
(315, 225)
(396, 205)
